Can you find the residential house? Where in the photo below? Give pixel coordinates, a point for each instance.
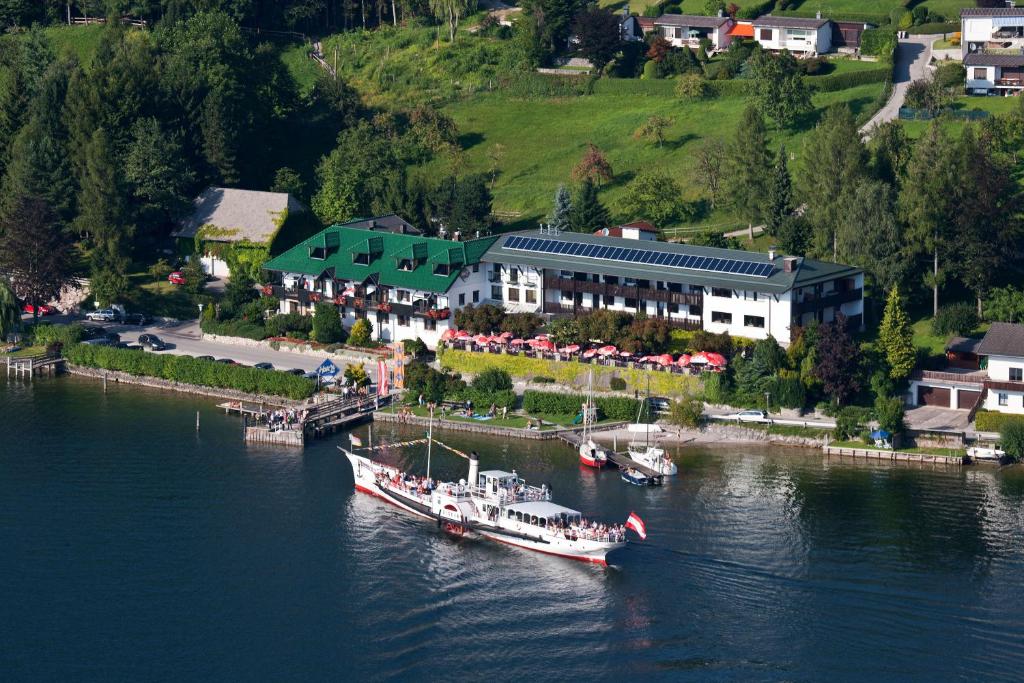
(630, 30)
(223, 219)
(801, 36)
(747, 294)
(688, 30)
(405, 285)
(992, 46)
(986, 373)
(847, 34)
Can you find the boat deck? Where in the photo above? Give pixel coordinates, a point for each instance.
(622, 461)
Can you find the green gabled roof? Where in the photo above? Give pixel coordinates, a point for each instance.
(386, 250)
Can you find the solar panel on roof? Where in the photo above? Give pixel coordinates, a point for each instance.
(644, 256)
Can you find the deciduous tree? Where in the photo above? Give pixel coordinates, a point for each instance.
(653, 129)
(710, 167)
(778, 88)
(835, 361)
(868, 234)
(597, 33)
(655, 196)
(594, 166)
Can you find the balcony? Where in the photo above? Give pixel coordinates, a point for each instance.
(953, 376)
(571, 285)
(570, 310)
(813, 303)
(1010, 82)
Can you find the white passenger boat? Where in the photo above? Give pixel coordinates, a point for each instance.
(494, 504)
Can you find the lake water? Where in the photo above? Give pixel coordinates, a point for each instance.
(133, 548)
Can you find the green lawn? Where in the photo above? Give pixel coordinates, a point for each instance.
(993, 105)
(160, 299)
(81, 41)
(950, 9)
(303, 69)
(544, 138)
(935, 344)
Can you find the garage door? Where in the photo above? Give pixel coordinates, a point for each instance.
(965, 400)
(933, 396)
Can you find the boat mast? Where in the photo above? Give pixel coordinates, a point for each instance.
(430, 438)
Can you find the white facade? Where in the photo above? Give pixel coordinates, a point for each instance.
(743, 313)
(676, 31)
(517, 288)
(214, 266)
(798, 40)
(1003, 399)
(979, 33)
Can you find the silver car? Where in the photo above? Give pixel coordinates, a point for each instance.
(751, 416)
(104, 315)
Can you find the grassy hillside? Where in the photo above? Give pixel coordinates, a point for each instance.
(993, 105)
(544, 138)
(947, 8)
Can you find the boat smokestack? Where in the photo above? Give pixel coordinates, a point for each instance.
(474, 468)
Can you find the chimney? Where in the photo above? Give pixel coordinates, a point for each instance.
(720, 12)
(771, 252)
(817, 15)
(789, 264)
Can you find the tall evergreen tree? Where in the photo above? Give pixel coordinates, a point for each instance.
(896, 338)
(869, 235)
(748, 167)
(34, 251)
(155, 169)
(10, 311)
(587, 213)
(890, 149)
(927, 201)
(562, 209)
(778, 203)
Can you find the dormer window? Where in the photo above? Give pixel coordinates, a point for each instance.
(361, 259)
(442, 269)
(406, 264)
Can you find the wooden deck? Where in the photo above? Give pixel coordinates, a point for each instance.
(320, 419)
(28, 366)
(893, 456)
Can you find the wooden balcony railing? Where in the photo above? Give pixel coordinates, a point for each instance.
(811, 303)
(571, 285)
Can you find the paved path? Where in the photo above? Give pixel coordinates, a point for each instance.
(912, 57)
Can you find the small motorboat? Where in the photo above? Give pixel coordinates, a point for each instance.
(638, 478)
(654, 458)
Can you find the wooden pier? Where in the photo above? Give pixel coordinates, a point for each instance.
(28, 366)
(318, 419)
(619, 459)
(893, 456)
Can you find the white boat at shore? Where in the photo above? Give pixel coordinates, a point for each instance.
(494, 504)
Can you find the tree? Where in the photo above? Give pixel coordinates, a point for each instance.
(748, 166)
(777, 87)
(868, 233)
(522, 325)
(833, 158)
(492, 380)
(361, 333)
(471, 204)
(754, 376)
(34, 252)
(155, 168)
(689, 412)
(655, 196)
(659, 49)
(552, 20)
(889, 413)
(653, 129)
(327, 327)
(10, 311)
(778, 203)
(890, 150)
(927, 200)
(355, 374)
(835, 361)
(195, 277)
(588, 214)
(597, 35)
(593, 166)
(896, 338)
(288, 180)
(1005, 304)
(691, 86)
(562, 209)
(713, 7)
(710, 159)
(1011, 438)
(360, 174)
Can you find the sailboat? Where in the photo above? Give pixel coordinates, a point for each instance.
(591, 454)
(647, 454)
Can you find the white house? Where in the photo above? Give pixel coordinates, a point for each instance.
(994, 73)
(1003, 346)
(222, 217)
(991, 29)
(688, 30)
(747, 294)
(796, 34)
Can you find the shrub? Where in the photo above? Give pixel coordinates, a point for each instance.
(816, 66)
(880, 42)
(1011, 436)
(617, 384)
(787, 392)
(650, 70)
(492, 380)
(618, 408)
(691, 87)
(687, 413)
(45, 334)
(191, 371)
(541, 379)
(717, 388)
(755, 9)
(283, 324)
(960, 319)
(361, 334)
(992, 421)
(936, 28)
(327, 327)
(950, 75)
(414, 347)
(850, 79)
(889, 413)
(849, 422)
(233, 328)
(160, 270)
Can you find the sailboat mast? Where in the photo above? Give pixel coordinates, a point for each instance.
(430, 438)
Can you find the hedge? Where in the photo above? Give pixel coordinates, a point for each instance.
(191, 371)
(756, 9)
(482, 400)
(569, 372)
(992, 421)
(619, 408)
(879, 41)
(834, 82)
(234, 328)
(935, 28)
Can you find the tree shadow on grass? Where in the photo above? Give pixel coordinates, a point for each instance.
(677, 143)
(470, 140)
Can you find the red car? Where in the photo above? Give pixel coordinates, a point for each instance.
(176, 278)
(43, 309)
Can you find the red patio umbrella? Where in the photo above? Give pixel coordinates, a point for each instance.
(462, 334)
(625, 354)
(542, 345)
(698, 359)
(448, 334)
(590, 353)
(715, 360)
(684, 360)
(482, 340)
(664, 359)
(517, 342)
(542, 337)
(506, 335)
(607, 350)
(571, 348)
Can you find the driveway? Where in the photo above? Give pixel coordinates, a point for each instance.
(929, 418)
(912, 57)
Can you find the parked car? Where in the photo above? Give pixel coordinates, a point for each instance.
(312, 374)
(129, 346)
(660, 405)
(101, 341)
(152, 342)
(91, 332)
(226, 361)
(751, 416)
(137, 319)
(295, 371)
(176, 278)
(264, 366)
(209, 358)
(104, 315)
(42, 308)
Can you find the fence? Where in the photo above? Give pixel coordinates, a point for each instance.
(86, 21)
(910, 114)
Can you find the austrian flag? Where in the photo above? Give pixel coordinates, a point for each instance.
(636, 524)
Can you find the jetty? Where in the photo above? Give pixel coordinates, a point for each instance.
(28, 366)
(617, 458)
(316, 421)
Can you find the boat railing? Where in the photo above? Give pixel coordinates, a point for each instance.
(602, 536)
(506, 496)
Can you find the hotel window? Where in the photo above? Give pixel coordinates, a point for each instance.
(720, 317)
(513, 275)
(1004, 399)
(630, 303)
(673, 308)
(476, 267)
(980, 74)
(496, 293)
(462, 299)
(403, 321)
(696, 311)
(721, 292)
(403, 296)
(609, 300)
(766, 34)
(749, 296)
(513, 294)
(696, 289)
(382, 318)
(531, 296)
(1016, 374)
(476, 296)
(753, 321)
(429, 324)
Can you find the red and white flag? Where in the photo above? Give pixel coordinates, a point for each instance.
(636, 524)
(383, 387)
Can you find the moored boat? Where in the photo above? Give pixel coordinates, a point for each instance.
(654, 458)
(635, 477)
(591, 454)
(494, 504)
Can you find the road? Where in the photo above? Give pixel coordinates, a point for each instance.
(912, 57)
(817, 423)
